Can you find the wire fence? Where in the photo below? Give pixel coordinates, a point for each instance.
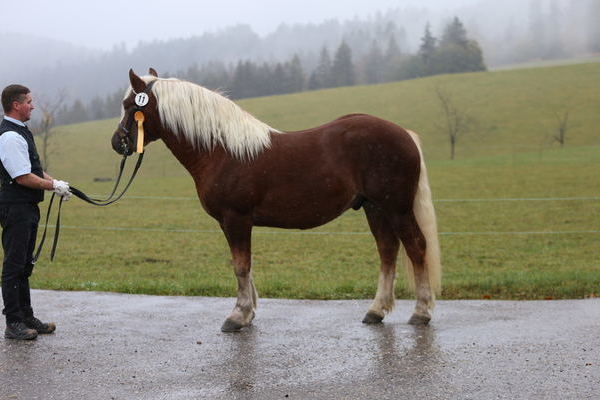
(312, 233)
(476, 200)
(350, 233)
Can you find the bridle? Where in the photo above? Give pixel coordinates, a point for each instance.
(141, 100)
(124, 139)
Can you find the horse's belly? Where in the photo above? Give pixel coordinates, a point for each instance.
(301, 212)
(296, 221)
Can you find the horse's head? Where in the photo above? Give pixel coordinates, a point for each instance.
(139, 98)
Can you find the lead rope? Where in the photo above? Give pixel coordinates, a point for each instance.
(97, 202)
(139, 117)
(121, 168)
(108, 201)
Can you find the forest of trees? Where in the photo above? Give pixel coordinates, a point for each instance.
(384, 47)
(454, 52)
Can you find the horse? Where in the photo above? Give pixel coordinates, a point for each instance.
(249, 174)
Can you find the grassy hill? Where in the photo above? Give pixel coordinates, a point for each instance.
(512, 110)
(491, 248)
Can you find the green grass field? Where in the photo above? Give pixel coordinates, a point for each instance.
(519, 249)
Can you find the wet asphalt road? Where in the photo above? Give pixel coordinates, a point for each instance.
(114, 346)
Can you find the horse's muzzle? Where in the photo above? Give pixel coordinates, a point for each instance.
(120, 144)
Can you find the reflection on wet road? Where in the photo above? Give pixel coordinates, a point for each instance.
(111, 346)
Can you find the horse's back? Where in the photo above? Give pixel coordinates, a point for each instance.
(353, 130)
(363, 141)
(372, 154)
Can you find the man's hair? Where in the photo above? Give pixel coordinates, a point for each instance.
(13, 93)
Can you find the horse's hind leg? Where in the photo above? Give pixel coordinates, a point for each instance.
(415, 246)
(238, 233)
(387, 246)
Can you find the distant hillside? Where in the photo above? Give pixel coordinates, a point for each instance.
(513, 112)
(36, 55)
(509, 32)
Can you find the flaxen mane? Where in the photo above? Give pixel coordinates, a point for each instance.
(208, 119)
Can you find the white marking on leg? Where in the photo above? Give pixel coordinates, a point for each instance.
(385, 297)
(243, 312)
(254, 293)
(423, 292)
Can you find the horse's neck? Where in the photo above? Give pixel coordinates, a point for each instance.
(192, 158)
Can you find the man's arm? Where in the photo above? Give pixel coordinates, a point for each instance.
(35, 182)
(15, 159)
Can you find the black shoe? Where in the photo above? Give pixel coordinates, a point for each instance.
(19, 331)
(39, 326)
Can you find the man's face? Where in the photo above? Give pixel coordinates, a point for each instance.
(23, 109)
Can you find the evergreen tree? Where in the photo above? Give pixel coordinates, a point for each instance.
(193, 74)
(375, 65)
(342, 70)
(243, 80)
(456, 53)
(321, 77)
(410, 68)
(79, 112)
(262, 83)
(393, 52)
(455, 59)
(295, 75)
(313, 83)
(215, 76)
(454, 34)
(427, 51)
(97, 109)
(278, 79)
(71, 115)
(113, 103)
(392, 60)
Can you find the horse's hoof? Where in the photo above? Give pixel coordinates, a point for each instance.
(419, 319)
(231, 326)
(372, 318)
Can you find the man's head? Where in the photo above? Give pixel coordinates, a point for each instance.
(17, 102)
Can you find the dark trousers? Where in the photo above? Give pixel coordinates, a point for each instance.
(19, 229)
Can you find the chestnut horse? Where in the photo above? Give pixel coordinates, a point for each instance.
(249, 174)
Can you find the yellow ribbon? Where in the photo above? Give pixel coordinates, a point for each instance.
(139, 117)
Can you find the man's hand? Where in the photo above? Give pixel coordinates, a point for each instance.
(61, 188)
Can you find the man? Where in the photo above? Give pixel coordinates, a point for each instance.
(22, 187)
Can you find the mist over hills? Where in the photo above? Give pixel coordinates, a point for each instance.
(510, 32)
(33, 55)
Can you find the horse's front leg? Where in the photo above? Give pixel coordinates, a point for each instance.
(238, 231)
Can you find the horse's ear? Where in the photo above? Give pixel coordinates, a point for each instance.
(153, 72)
(137, 83)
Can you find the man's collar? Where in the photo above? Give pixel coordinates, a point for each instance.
(14, 121)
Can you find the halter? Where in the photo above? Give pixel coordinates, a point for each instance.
(141, 100)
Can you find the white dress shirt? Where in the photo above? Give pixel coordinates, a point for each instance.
(13, 152)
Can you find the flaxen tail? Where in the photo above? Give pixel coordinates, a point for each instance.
(425, 215)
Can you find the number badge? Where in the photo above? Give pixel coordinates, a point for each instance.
(141, 99)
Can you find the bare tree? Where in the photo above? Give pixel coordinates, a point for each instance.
(457, 121)
(562, 120)
(44, 127)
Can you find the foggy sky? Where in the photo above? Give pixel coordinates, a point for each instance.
(105, 23)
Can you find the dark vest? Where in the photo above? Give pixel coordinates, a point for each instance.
(11, 191)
